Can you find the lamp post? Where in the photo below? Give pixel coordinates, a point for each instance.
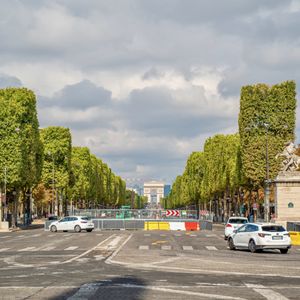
(54, 199)
(267, 181)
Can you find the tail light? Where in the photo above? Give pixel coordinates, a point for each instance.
(228, 225)
(263, 234)
(287, 234)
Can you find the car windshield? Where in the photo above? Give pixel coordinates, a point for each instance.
(237, 221)
(273, 228)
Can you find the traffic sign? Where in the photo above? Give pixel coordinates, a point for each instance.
(172, 213)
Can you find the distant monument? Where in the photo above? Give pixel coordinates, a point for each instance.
(287, 186)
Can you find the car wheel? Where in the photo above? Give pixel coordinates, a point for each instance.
(252, 246)
(53, 228)
(284, 251)
(77, 228)
(231, 244)
(89, 230)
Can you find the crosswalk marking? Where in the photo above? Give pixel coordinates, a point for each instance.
(166, 247)
(71, 248)
(178, 234)
(4, 249)
(144, 247)
(4, 237)
(193, 235)
(36, 235)
(147, 234)
(210, 235)
(211, 248)
(51, 235)
(27, 249)
(187, 247)
(48, 248)
(66, 234)
(162, 235)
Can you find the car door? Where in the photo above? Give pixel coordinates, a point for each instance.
(245, 237)
(239, 236)
(73, 222)
(63, 224)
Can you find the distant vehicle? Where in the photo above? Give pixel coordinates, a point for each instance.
(232, 224)
(52, 218)
(76, 223)
(257, 237)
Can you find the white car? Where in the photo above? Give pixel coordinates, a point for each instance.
(232, 224)
(256, 237)
(76, 223)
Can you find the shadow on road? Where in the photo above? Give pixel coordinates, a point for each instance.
(125, 288)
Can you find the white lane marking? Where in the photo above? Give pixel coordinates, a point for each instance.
(180, 292)
(66, 234)
(108, 261)
(48, 248)
(188, 248)
(114, 243)
(71, 248)
(210, 235)
(4, 249)
(147, 234)
(88, 251)
(4, 237)
(83, 260)
(20, 235)
(144, 247)
(51, 235)
(193, 235)
(266, 292)
(211, 248)
(36, 235)
(85, 292)
(166, 247)
(27, 249)
(99, 257)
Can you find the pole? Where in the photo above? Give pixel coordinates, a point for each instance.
(267, 186)
(5, 203)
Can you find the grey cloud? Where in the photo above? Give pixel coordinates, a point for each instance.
(9, 81)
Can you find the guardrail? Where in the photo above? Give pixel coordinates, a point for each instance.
(147, 224)
(141, 214)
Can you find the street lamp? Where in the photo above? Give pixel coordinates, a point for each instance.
(54, 203)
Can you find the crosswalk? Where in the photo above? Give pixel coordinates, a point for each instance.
(184, 248)
(44, 249)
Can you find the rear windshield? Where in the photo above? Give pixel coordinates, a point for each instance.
(273, 228)
(237, 221)
(85, 218)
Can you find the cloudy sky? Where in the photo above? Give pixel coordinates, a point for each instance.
(143, 83)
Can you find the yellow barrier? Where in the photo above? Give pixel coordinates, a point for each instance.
(295, 237)
(157, 226)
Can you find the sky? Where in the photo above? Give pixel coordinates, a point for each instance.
(144, 83)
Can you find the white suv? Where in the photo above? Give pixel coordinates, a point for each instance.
(76, 223)
(256, 237)
(232, 224)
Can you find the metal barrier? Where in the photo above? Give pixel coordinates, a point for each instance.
(157, 214)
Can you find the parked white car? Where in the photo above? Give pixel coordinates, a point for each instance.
(76, 223)
(232, 224)
(256, 237)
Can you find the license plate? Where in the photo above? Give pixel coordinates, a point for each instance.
(276, 237)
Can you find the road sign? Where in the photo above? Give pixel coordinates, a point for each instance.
(172, 213)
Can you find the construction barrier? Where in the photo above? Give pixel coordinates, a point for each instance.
(191, 226)
(157, 226)
(295, 237)
(177, 226)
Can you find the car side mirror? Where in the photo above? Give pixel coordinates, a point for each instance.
(234, 231)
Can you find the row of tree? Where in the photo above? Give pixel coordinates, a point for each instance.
(228, 176)
(43, 163)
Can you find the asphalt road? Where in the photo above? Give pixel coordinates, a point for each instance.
(37, 264)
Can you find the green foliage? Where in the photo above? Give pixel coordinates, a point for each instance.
(261, 104)
(57, 144)
(20, 147)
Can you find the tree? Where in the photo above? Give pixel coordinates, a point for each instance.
(57, 142)
(262, 108)
(20, 147)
